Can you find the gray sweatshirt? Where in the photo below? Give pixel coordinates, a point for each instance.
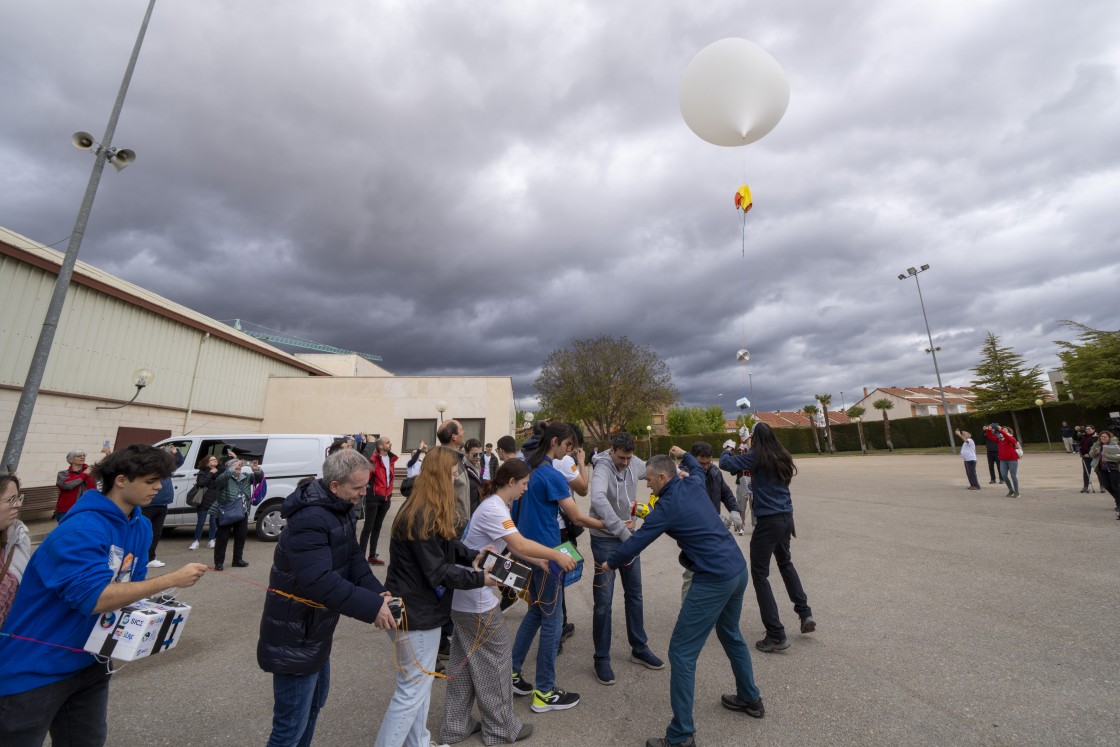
(613, 492)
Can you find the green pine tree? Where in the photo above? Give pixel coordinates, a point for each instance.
(1003, 382)
(1091, 371)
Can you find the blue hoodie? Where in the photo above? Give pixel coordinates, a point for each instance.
(93, 545)
(683, 511)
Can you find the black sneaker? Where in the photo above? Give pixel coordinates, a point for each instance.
(521, 686)
(770, 645)
(735, 703)
(808, 624)
(567, 632)
(557, 700)
(603, 672)
(663, 742)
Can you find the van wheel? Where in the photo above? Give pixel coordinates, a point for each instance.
(269, 522)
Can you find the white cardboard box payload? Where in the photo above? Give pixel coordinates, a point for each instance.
(141, 629)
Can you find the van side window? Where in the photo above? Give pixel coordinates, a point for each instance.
(180, 453)
(245, 448)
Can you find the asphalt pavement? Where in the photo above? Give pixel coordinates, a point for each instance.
(945, 617)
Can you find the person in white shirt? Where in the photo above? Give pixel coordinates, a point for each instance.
(968, 454)
(481, 648)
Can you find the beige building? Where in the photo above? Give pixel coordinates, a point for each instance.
(209, 377)
(918, 401)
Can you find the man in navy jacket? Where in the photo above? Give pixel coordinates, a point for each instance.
(321, 573)
(715, 598)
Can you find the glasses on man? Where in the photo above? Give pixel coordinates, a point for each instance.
(16, 500)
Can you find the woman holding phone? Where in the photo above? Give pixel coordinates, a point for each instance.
(426, 562)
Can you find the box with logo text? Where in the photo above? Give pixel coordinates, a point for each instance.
(141, 629)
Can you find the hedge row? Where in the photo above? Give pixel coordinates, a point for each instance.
(911, 433)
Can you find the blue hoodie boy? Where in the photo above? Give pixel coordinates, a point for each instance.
(94, 544)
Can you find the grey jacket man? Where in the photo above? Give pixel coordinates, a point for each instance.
(613, 492)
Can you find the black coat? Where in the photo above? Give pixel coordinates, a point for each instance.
(207, 481)
(418, 568)
(317, 558)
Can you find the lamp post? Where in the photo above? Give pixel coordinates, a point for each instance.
(441, 406)
(104, 152)
(649, 441)
(912, 272)
(141, 377)
(859, 427)
(1038, 404)
(528, 417)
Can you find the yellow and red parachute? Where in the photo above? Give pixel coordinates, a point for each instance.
(743, 199)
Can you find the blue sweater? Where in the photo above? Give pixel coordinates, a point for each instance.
(770, 496)
(683, 512)
(94, 545)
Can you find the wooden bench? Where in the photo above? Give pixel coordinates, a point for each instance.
(39, 500)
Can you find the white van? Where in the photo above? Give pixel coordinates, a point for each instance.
(285, 459)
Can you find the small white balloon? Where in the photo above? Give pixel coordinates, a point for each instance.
(733, 93)
(743, 355)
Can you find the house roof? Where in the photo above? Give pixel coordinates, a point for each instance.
(924, 395)
(798, 419)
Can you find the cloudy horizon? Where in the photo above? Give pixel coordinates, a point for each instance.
(461, 189)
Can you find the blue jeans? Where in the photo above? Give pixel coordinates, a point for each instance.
(202, 515)
(543, 614)
(406, 719)
(603, 595)
(1009, 473)
(297, 699)
(707, 605)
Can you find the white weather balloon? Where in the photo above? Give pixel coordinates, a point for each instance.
(733, 92)
(743, 355)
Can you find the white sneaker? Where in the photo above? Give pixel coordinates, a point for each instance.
(193, 545)
(156, 564)
(210, 544)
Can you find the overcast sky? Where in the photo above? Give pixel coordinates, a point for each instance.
(461, 187)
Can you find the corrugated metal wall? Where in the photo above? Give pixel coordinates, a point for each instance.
(101, 340)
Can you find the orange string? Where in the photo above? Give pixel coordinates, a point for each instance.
(293, 597)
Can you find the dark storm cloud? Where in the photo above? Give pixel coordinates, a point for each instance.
(461, 188)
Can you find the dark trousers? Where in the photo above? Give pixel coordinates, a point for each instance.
(1110, 481)
(993, 466)
(73, 710)
(376, 508)
(238, 530)
(970, 473)
(156, 515)
(771, 538)
(1086, 470)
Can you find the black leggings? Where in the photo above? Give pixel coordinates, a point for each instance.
(238, 530)
(371, 529)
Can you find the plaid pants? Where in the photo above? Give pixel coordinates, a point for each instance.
(480, 669)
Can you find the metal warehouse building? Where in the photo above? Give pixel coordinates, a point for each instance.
(209, 377)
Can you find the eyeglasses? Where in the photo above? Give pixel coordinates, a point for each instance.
(16, 500)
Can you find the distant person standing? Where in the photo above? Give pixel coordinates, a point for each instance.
(382, 466)
(772, 469)
(233, 486)
(450, 434)
(1008, 460)
(156, 511)
(416, 460)
(72, 482)
(507, 449)
(1106, 451)
(206, 482)
(991, 442)
(968, 454)
(1088, 439)
(1067, 437)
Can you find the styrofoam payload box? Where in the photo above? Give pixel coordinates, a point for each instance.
(141, 629)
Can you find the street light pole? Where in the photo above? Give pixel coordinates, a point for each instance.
(1038, 404)
(21, 422)
(912, 272)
